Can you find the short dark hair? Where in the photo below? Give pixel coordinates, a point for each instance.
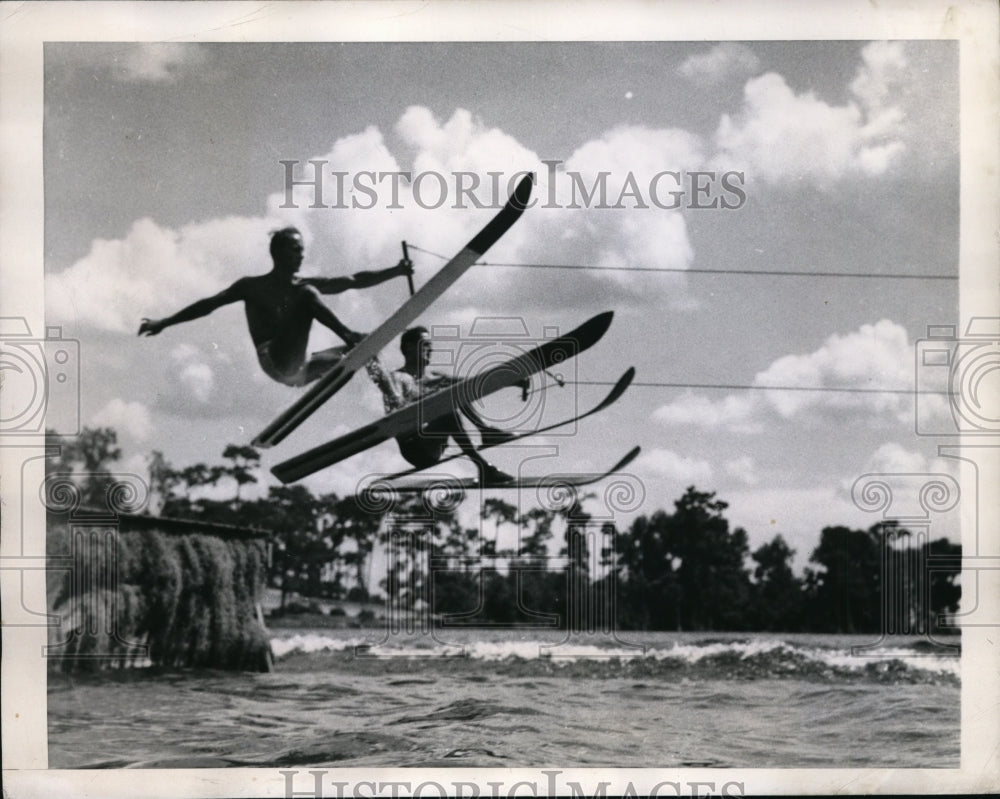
(278, 237)
(412, 336)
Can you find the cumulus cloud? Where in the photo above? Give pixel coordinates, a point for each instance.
(152, 271)
(876, 356)
(893, 458)
(572, 220)
(899, 483)
(199, 381)
(411, 195)
(724, 61)
(666, 463)
(203, 380)
(461, 143)
(883, 64)
(131, 418)
(612, 205)
(565, 224)
(779, 136)
(155, 270)
(734, 412)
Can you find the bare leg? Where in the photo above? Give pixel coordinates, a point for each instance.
(488, 472)
(465, 444)
(490, 435)
(434, 437)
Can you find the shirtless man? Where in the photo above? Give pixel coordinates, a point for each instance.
(424, 448)
(281, 308)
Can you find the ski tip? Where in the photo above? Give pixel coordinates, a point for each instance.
(522, 192)
(266, 438)
(509, 214)
(631, 456)
(598, 325)
(619, 388)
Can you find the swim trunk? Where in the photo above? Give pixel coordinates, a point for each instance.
(289, 377)
(305, 372)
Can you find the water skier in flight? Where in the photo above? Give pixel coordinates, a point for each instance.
(280, 309)
(424, 447)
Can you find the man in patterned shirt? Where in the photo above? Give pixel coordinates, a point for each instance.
(425, 447)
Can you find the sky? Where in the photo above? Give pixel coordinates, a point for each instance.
(163, 178)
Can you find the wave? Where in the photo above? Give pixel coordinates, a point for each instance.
(746, 658)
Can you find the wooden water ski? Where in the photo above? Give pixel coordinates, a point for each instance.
(619, 388)
(461, 485)
(409, 419)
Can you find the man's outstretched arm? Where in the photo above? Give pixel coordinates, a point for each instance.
(359, 280)
(329, 319)
(196, 310)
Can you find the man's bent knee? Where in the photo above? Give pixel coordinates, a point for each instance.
(323, 361)
(420, 451)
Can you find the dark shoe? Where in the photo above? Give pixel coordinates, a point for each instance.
(492, 476)
(491, 437)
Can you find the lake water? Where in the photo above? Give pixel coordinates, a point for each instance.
(506, 698)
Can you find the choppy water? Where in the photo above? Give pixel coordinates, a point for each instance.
(518, 699)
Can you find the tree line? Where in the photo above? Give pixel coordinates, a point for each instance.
(682, 569)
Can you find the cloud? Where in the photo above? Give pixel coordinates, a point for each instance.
(198, 379)
(893, 457)
(725, 60)
(780, 137)
(563, 226)
(463, 142)
(898, 483)
(155, 270)
(614, 208)
(203, 380)
(131, 418)
(744, 469)
(666, 463)
(159, 62)
(734, 412)
(884, 63)
(135, 62)
(876, 356)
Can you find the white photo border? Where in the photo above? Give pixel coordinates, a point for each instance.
(24, 29)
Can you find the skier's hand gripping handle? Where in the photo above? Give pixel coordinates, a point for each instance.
(406, 265)
(150, 327)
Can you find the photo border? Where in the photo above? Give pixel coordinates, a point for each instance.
(25, 27)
